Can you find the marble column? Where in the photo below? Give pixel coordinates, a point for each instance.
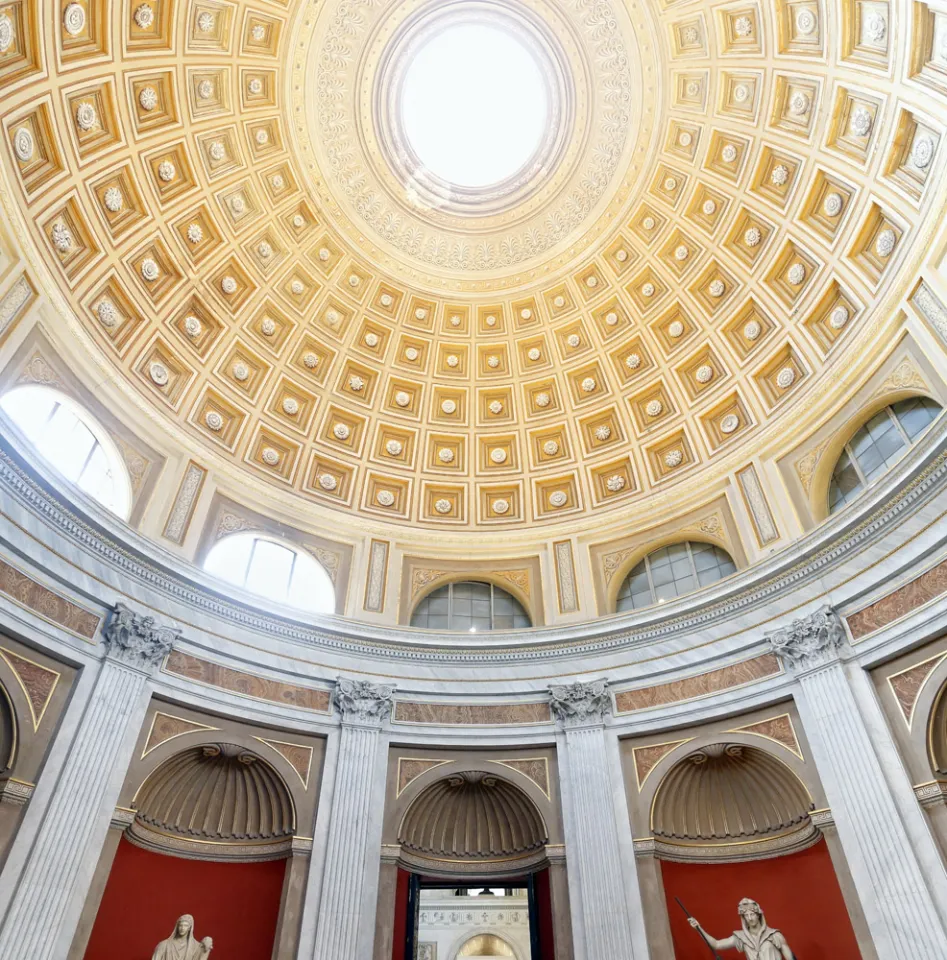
(46, 904)
(349, 886)
(603, 895)
(878, 841)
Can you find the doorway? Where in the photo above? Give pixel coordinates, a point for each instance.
(499, 919)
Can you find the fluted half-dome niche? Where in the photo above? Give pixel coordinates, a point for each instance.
(727, 794)
(473, 818)
(216, 800)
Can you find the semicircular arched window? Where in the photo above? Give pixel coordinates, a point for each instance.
(470, 605)
(72, 442)
(672, 571)
(273, 570)
(876, 445)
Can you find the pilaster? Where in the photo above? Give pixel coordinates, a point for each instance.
(873, 824)
(348, 890)
(602, 894)
(46, 904)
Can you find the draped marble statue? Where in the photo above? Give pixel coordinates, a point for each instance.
(755, 939)
(181, 945)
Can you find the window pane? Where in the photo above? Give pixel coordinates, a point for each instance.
(269, 570)
(672, 574)
(264, 568)
(73, 444)
(877, 445)
(915, 414)
(473, 604)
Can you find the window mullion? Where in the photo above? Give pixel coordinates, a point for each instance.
(292, 570)
(897, 423)
(858, 469)
(647, 566)
(246, 573)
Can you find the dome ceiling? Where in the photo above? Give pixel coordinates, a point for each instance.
(223, 195)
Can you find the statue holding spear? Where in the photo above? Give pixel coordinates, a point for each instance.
(755, 939)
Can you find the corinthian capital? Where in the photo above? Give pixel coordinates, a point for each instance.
(577, 704)
(137, 641)
(362, 702)
(809, 641)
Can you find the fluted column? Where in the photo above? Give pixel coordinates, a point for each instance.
(894, 892)
(602, 894)
(352, 856)
(47, 901)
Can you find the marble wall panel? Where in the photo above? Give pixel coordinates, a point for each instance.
(470, 714)
(246, 684)
(689, 688)
(899, 603)
(45, 603)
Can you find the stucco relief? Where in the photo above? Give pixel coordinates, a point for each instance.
(165, 727)
(38, 682)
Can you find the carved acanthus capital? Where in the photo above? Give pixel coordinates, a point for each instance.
(578, 704)
(810, 641)
(137, 641)
(360, 701)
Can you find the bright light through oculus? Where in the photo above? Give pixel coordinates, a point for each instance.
(474, 105)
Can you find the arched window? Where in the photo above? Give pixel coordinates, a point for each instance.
(470, 605)
(72, 442)
(673, 571)
(876, 445)
(273, 570)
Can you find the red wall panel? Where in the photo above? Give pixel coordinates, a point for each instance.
(799, 895)
(235, 903)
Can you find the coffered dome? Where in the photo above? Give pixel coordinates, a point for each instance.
(254, 256)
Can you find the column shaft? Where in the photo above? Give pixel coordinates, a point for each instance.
(340, 909)
(597, 890)
(895, 896)
(53, 883)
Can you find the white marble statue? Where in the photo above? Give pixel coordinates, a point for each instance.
(755, 939)
(181, 945)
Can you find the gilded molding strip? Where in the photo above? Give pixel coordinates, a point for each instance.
(32, 595)
(776, 729)
(165, 727)
(907, 684)
(928, 586)
(36, 681)
(20, 295)
(931, 309)
(246, 684)
(702, 685)
(470, 714)
(648, 757)
(377, 577)
(763, 524)
(565, 577)
(179, 519)
(410, 768)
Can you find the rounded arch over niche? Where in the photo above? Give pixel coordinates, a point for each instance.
(9, 731)
(215, 801)
(730, 801)
(822, 478)
(937, 728)
(473, 822)
(472, 603)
